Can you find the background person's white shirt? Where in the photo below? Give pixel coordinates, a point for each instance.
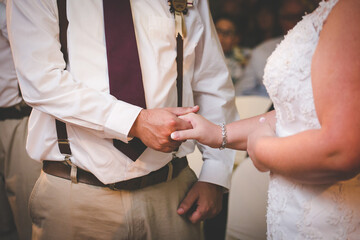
(9, 90)
(252, 80)
(80, 96)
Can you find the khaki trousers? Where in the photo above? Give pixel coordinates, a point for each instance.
(62, 210)
(18, 174)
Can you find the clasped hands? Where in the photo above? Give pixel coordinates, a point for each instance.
(154, 127)
(164, 129)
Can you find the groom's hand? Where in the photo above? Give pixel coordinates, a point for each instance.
(154, 126)
(203, 201)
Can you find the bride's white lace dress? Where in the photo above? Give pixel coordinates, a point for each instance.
(299, 211)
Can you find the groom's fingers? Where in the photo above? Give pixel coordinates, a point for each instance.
(188, 117)
(179, 111)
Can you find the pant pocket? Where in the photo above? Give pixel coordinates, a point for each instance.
(33, 195)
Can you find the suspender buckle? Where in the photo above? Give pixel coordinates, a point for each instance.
(63, 141)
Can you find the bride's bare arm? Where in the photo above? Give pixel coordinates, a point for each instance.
(238, 132)
(331, 153)
(210, 134)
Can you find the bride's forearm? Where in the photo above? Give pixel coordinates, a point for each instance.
(238, 132)
(311, 157)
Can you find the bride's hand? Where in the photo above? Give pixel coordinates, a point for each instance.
(263, 131)
(203, 131)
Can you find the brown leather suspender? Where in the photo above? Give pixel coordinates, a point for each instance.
(63, 142)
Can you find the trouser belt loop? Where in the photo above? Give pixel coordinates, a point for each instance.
(73, 171)
(170, 171)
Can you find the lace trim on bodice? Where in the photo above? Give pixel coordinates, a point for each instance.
(321, 13)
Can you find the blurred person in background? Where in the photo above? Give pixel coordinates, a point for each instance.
(233, 8)
(262, 23)
(236, 57)
(290, 13)
(18, 172)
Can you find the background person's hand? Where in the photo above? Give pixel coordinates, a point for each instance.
(154, 126)
(203, 201)
(202, 130)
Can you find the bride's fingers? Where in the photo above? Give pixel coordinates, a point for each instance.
(183, 135)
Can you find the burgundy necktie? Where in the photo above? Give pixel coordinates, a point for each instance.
(123, 64)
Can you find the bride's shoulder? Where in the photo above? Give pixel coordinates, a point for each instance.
(346, 14)
(345, 7)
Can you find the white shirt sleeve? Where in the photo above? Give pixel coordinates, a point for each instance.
(217, 102)
(45, 83)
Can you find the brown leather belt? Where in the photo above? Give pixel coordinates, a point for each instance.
(62, 169)
(18, 111)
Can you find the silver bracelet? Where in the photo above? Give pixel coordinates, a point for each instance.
(224, 136)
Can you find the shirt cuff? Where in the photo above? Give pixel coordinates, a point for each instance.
(216, 172)
(120, 120)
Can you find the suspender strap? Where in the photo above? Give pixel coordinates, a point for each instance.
(63, 25)
(63, 142)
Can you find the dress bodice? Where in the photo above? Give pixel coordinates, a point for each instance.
(287, 75)
(299, 211)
